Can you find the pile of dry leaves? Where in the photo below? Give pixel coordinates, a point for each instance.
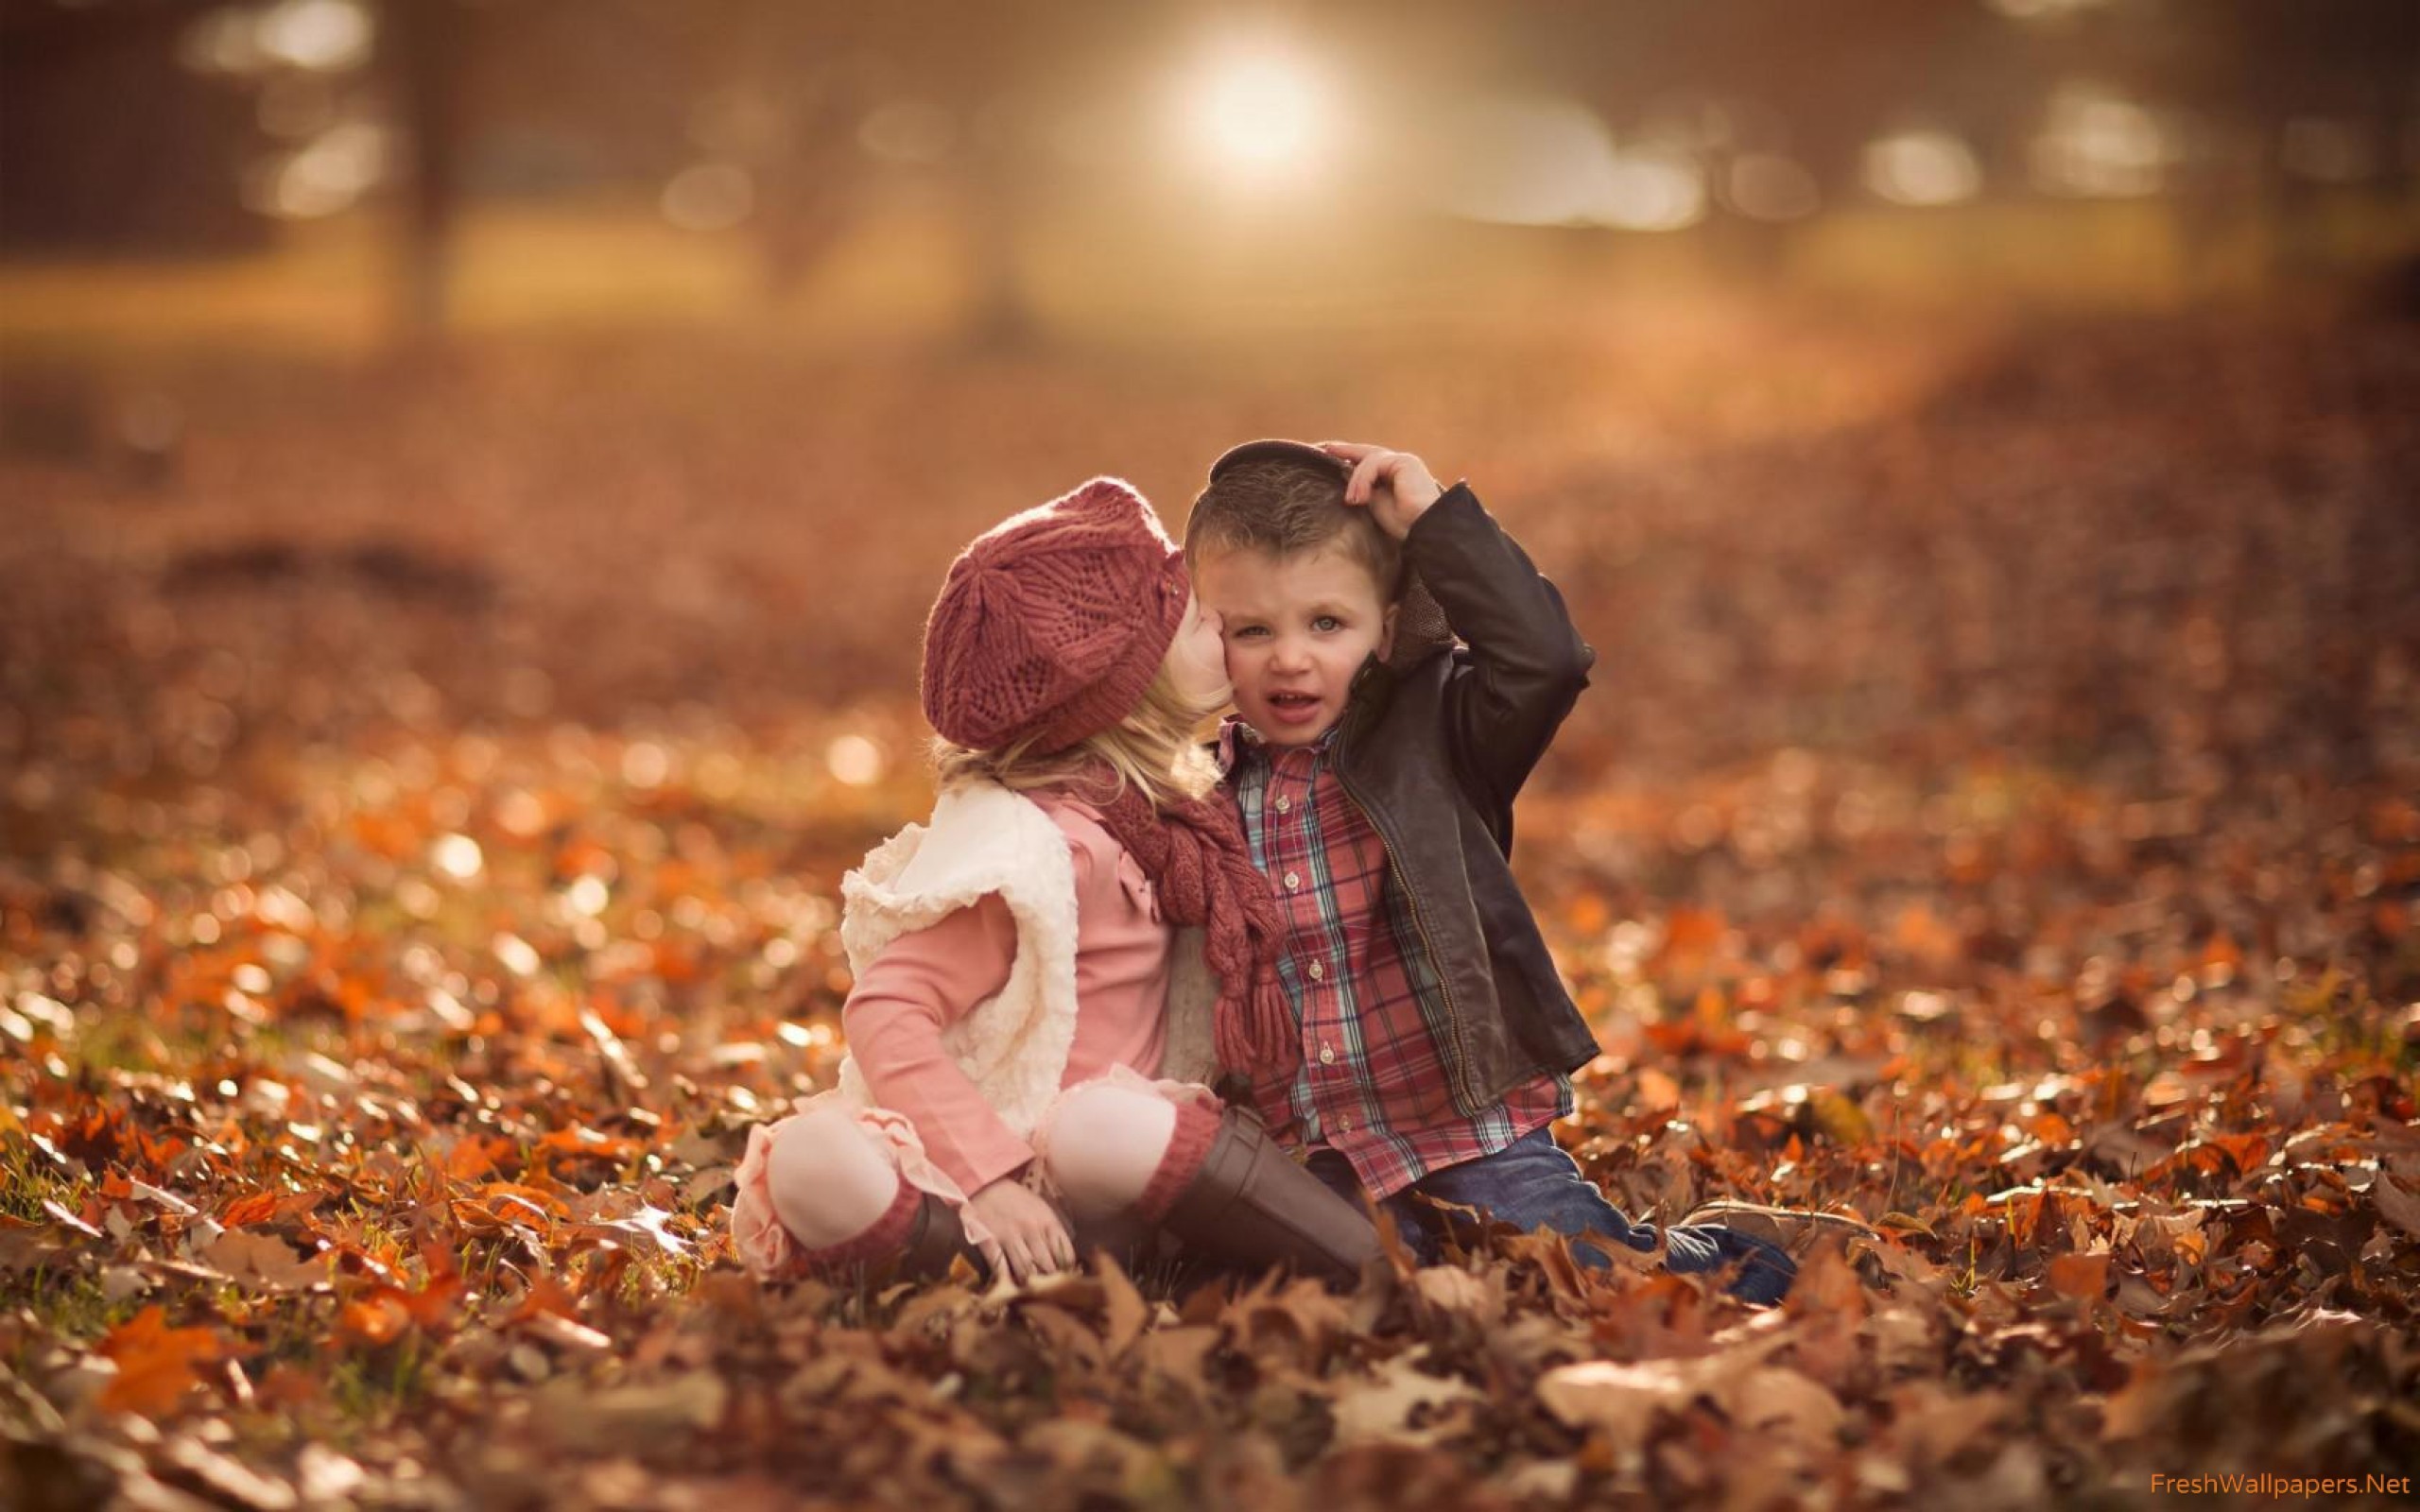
(1996, 819)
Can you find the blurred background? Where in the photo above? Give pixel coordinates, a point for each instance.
(1977, 434)
(337, 173)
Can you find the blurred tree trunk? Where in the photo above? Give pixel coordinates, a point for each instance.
(424, 49)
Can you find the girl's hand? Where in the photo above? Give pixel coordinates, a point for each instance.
(1396, 485)
(1031, 1239)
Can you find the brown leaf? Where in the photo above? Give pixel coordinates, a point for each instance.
(1930, 1423)
(1457, 1293)
(564, 1332)
(1617, 1399)
(263, 1261)
(1128, 1314)
(1071, 1342)
(1788, 1405)
(2396, 1206)
(639, 1416)
(229, 1482)
(1179, 1354)
(1381, 1405)
(69, 1220)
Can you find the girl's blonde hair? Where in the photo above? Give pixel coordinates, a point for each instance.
(1156, 749)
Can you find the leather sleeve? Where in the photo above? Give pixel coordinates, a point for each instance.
(1526, 665)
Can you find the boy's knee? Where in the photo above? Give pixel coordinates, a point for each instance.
(1105, 1142)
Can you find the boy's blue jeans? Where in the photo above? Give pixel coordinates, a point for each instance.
(1531, 1183)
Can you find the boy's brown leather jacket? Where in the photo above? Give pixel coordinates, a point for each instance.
(1434, 744)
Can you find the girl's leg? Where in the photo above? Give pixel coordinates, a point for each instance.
(1216, 1181)
(1116, 1149)
(833, 1186)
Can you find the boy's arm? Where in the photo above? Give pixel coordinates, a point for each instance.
(1526, 665)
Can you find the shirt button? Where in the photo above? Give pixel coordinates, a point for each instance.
(1344, 1122)
(1293, 881)
(1319, 972)
(1327, 1054)
(1283, 804)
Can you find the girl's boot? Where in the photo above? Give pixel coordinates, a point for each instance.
(1251, 1204)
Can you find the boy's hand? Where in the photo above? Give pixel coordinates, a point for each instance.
(1395, 485)
(1033, 1239)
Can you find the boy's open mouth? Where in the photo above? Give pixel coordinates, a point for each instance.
(1292, 708)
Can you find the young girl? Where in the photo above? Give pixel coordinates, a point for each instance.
(1032, 1015)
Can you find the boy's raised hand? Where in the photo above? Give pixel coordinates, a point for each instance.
(1396, 485)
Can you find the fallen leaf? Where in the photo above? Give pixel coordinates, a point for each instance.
(156, 1364)
(1127, 1313)
(229, 1482)
(1620, 1401)
(1380, 1406)
(641, 1417)
(1788, 1405)
(264, 1261)
(2085, 1278)
(2398, 1207)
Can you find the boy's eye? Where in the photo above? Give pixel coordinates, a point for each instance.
(1244, 632)
(1327, 622)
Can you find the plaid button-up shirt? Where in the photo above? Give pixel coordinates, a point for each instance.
(1372, 1081)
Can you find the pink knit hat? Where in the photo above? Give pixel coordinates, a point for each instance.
(1053, 622)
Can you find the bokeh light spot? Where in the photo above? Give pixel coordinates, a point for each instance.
(854, 761)
(457, 856)
(1923, 168)
(325, 36)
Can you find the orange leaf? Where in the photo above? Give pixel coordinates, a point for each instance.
(1588, 913)
(432, 1306)
(580, 1140)
(377, 1318)
(476, 1155)
(511, 1201)
(155, 1362)
(258, 1208)
(547, 1296)
(2081, 1277)
(1693, 932)
(288, 1386)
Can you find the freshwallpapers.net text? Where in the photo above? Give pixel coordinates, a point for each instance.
(2268, 1484)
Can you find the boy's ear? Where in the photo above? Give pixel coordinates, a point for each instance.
(1387, 634)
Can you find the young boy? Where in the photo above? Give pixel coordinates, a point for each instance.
(1374, 763)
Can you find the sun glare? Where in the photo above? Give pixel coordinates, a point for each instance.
(1259, 115)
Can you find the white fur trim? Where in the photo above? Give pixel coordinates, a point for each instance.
(982, 839)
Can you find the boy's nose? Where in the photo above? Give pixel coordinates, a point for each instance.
(1288, 656)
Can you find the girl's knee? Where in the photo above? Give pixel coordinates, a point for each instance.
(1105, 1142)
(827, 1178)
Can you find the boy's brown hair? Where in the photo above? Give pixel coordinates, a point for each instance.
(1290, 506)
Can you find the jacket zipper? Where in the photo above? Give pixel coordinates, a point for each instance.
(1419, 920)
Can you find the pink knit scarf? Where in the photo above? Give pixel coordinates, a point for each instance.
(1195, 855)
